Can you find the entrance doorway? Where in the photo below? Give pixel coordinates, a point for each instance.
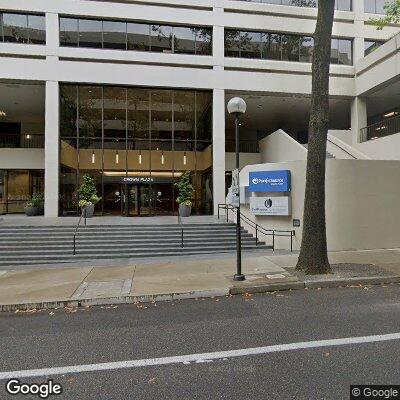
(138, 200)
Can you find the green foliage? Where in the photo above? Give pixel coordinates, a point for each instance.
(37, 200)
(185, 188)
(392, 9)
(88, 192)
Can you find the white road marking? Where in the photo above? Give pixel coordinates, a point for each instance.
(197, 358)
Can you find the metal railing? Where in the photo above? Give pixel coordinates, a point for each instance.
(380, 129)
(341, 148)
(259, 229)
(83, 215)
(21, 141)
(180, 223)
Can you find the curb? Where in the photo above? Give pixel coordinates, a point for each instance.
(266, 288)
(100, 301)
(236, 290)
(371, 280)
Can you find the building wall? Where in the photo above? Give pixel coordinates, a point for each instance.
(362, 203)
(53, 64)
(279, 146)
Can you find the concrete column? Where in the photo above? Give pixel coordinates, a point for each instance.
(218, 148)
(218, 38)
(52, 34)
(51, 150)
(358, 118)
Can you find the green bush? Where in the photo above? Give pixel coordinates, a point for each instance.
(185, 189)
(88, 192)
(37, 200)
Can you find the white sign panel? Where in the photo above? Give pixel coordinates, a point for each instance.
(270, 205)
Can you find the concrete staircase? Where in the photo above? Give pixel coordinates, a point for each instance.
(27, 245)
(328, 155)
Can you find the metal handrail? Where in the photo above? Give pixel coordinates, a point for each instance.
(77, 226)
(341, 148)
(180, 223)
(387, 127)
(258, 228)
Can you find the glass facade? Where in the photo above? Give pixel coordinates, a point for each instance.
(22, 28)
(135, 143)
(285, 47)
(17, 187)
(343, 5)
(120, 35)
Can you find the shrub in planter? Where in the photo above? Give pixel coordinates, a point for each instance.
(88, 195)
(185, 194)
(35, 205)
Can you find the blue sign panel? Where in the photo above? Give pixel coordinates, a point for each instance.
(269, 181)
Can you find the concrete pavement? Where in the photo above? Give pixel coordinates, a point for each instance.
(173, 279)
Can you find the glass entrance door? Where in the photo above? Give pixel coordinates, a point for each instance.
(133, 198)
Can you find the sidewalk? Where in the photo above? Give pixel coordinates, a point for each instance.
(81, 286)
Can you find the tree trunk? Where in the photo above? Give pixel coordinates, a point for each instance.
(313, 258)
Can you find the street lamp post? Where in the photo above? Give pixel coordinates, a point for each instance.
(237, 107)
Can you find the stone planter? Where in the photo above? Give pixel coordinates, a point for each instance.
(89, 210)
(184, 210)
(33, 211)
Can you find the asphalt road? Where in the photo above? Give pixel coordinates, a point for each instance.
(103, 335)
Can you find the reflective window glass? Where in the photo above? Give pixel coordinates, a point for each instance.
(90, 33)
(161, 38)
(334, 51)
(343, 5)
(306, 48)
(161, 119)
(138, 36)
(114, 114)
(90, 111)
(290, 47)
(370, 46)
(271, 48)
(345, 53)
(184, 116)
(138, 116)
(36, 29)
(232, 46)
(114, 35)
(380, 6)
(203, 41)
(15, 28)
(68, 110)
(69, 32)
(369, 6)
(250, 44)
(184, 40)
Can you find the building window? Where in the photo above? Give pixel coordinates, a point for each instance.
(284, 47)
(135, 143)
(17, 187)
(22, 28)
(343, 5)
(122, 35)
(371, 45)
(375, 6)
